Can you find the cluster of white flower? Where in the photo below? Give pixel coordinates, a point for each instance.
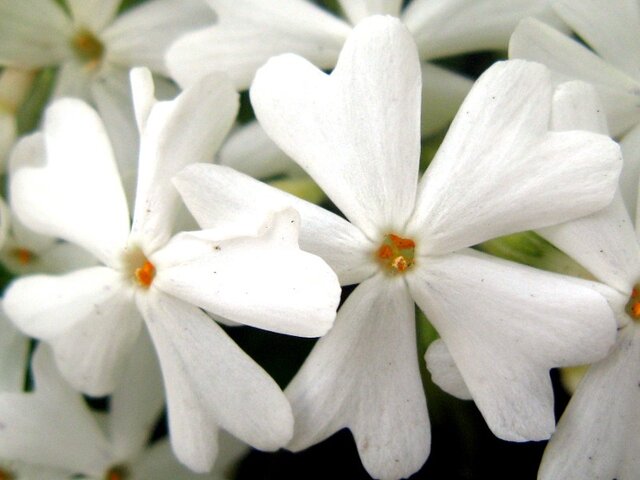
(122, 290)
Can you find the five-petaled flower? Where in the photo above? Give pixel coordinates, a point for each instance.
(499, 170)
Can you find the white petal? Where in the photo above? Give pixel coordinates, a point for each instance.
(211, 383)
(607, 27)
(264, 280)
(598, 434)
(356, 132)
(112, 97)
(604, 243)
(576, 106)
(73, 80)
(158, 462)
(143, 95)
(137, 401)
(500, 171)
(52, 426)
(93, 14)
(357, 10)
(142, 36)
(445, 28)
(64, 257)
(44, 254)
(249, 150)
(364, 375)
(248, 33)
(444, 371)
(506, 325)
(5, 222)
(34, 472)
(186, 130)
(15, 86)
(44, 306)
(14, 350)
(219, 196)
(34, 33)
(87, 317)
(22, 237)
(630, 176)
(442, 94)
(533, 40)
(77, 194)
(93, 353)
(8, 135)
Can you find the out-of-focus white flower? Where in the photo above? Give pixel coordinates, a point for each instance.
(14, 353)
(499, 170)
(256, 275)
(613, 66)
(247, 33)
(25, 251)
(94, 49)
(52, 432)
(14, 87)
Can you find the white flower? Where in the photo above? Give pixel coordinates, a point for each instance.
(14, 87)
(499, 170)
(598, 435)
(251, 274)
(52, 428)
(613, 66)
(24, 251)
(94, 49)
(248, 32)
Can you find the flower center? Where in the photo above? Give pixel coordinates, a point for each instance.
(633, 305)
(24, 257)
(144, 274)
(396, 254)
(137, 266)
(87, 47)
(116, 473)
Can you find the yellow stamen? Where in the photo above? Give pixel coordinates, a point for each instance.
(400, 263)
(145, 274)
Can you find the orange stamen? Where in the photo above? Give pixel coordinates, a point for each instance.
(4, 475)
(633, 305)
(385, 252)
(396, 253)
(116, 473)
(402, 242)
(145, 274)
(25, 257)
(88, 47)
